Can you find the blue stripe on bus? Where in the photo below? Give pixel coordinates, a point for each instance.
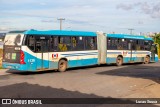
(96, 53)
(125, 36)
(60, 33)
(79, 54)
(139, 53)
(113, 52)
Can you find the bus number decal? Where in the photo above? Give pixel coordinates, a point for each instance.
(31, 60)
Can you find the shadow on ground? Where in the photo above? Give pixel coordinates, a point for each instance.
(68, 70)
(25, 90)
(136, 71)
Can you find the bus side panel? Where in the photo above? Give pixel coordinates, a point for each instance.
(78, 59)
(53, 65)
(30, 59)
(112, 56)
(83, 62)
(53, 62)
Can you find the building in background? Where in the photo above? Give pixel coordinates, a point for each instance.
(2, 35)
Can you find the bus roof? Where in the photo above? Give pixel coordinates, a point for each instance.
(60, 33)
(125, 36)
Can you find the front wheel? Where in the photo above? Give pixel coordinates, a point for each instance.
(62, 66)
(119, 61)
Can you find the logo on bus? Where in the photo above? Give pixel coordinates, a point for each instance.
(125, 53)
(54, 56)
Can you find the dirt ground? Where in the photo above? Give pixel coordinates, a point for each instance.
(1, 54)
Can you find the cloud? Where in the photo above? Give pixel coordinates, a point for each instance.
(124, 6)
(147, 8)
(43, 3)
(47, 21)
(5, 22)
(3, 29)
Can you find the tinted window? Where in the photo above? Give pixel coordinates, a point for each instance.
(31, 43)
(64, 43)
(90, 43)
(53, 43)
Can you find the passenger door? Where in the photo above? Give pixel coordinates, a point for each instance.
(153, 52)
(42, 48)
(132, 51)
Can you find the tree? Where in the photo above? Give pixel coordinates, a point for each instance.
(157, 38)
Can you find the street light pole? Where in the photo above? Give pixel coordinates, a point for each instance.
(61, 19)
(131, 31)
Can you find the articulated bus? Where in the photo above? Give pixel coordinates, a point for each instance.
(34, 50)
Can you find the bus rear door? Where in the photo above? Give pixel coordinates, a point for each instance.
(42, 47)
(153, 52)
(132, 51)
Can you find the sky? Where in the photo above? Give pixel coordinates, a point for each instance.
(83, 15)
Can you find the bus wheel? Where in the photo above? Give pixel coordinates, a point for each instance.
(119, 61)
(147, 60)
(62, 65)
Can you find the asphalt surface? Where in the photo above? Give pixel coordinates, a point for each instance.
(106, 81)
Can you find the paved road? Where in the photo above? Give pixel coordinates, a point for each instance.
(128, 81)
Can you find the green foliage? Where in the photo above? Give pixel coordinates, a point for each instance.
(157, 38)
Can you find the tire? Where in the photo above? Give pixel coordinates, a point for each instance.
(119, 61)
(62, 65)
(147, 60)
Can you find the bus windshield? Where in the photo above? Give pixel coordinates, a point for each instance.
(13, 39)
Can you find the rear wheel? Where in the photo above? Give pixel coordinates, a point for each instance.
(119, 61)
(147, 60)
(62, 65)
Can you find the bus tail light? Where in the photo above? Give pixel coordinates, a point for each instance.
(22, 57)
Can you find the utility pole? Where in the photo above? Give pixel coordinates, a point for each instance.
(61, 19)
(131, 31)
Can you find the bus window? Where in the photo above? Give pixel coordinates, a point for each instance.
(137, 45)
(119, 44)
(74, 42)
(146, 45)
(62, 46)
(141, 42)
(90, 43)
(67, 42)
(133, 43)
(113, 42)
(38, 46)
(80, 44)
(109, 43)
(31, 43)
(53, 44)
(125, 44)
(129, 46)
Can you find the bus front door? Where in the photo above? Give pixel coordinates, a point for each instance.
(153, 52)
(42, 46)
(132, 55)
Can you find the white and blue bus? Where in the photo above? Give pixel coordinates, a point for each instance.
(34, 50)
